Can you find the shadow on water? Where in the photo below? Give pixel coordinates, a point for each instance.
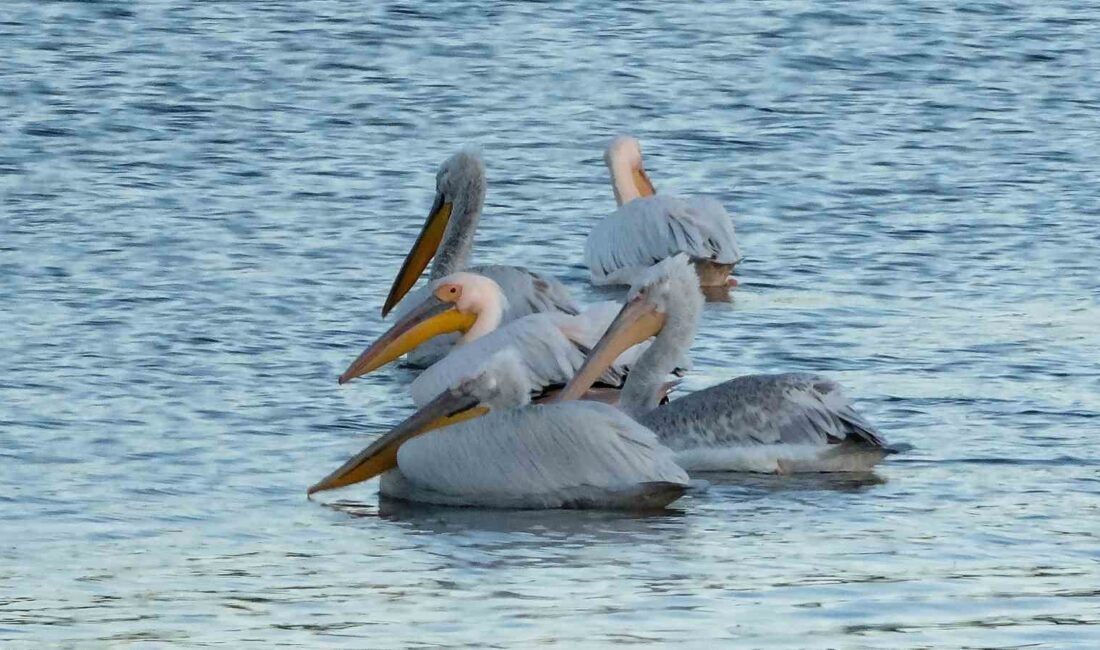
(836, 482)
(602, 524)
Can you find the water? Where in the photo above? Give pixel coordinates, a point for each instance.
(203, 205)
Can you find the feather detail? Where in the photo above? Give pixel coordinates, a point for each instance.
(649, 229)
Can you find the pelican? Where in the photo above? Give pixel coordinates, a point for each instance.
(448, 236)
(780, 423)
(518, 455)
(648, 228)
(551, 345)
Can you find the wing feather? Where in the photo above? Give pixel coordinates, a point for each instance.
(649, 229)
(545, 456)
(788, 409)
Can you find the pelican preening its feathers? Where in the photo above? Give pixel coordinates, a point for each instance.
(773, 423)
(500, 420)
(518, 455)
(648, 227)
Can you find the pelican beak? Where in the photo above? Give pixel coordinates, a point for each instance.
(637, 321)
(451, 407)
(642, 182)
(422, 252)
(430, 319)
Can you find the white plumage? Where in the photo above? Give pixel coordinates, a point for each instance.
(562, 455)
(777, 423)
(650, 229)
(524, 292)
(574, 454)
(460, 184)
(549, 346)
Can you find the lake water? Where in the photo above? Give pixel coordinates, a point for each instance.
(202, 206)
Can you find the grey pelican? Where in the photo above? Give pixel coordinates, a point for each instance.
(769, 423)
(518, 455)
(648, 227)
(448, 236)
(551, 345)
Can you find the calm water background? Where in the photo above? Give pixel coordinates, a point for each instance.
(203, 205)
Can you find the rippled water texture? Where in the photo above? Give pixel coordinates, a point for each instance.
(204, 204)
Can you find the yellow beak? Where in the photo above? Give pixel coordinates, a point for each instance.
(422, 252)
(642, 182)
(637, 321)
(381, 455)
(430, 319)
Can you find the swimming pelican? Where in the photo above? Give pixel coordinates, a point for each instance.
(448, 236)
(771, 423)
(519, 455)
(648, 228)
(551, 345)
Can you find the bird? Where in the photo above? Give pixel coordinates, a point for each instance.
(551, 345)
(446, 240)
(482, 443)
(781, 423)
(648, 227)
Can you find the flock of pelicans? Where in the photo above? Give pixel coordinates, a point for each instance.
(528, 401)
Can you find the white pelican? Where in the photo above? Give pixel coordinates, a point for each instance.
(448, 236)
(551, 345)
(770, 423)
(519, 455)
(648, 228)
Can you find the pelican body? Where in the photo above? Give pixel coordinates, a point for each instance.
(551, 345)
(446, 240)
(519, 455)
(779, 423)
(648, 228)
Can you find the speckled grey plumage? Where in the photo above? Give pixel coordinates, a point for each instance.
(792, 408)
(800, 418)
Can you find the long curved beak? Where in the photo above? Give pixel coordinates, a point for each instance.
(381, 455)
(642, 182)
(430, 319)
(422, 252)
(637, 321)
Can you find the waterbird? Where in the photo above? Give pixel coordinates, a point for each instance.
(482, 443)
(648, 227)
(782, 423)
(551, 345)
(446, 240)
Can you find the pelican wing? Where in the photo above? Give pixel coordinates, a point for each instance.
(574, 454)
(650, 229)
(551, 345)
(548, 355)
(528, 292)
(788, 409)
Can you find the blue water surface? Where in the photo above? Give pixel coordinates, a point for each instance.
(202, 205)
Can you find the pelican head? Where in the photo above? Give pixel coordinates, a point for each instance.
(628, 177)
(665, 302)
(459, 192)
(501, 383)
(461, 302)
